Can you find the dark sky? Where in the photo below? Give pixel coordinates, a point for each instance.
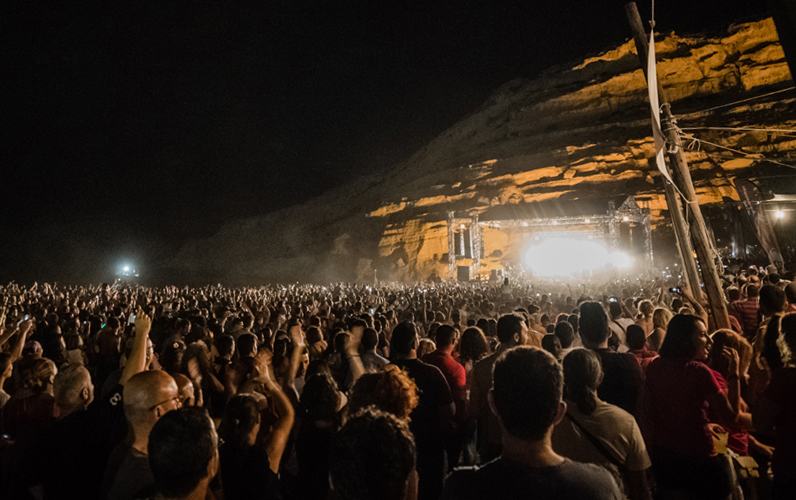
(166, 118)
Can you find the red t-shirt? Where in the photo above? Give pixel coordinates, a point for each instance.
(453, 371)
(644, 357)
(677, 394)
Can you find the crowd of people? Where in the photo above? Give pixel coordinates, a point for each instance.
(432, 391)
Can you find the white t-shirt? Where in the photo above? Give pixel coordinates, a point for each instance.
(616, 430)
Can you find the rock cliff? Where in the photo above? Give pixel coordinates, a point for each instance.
(577, 132)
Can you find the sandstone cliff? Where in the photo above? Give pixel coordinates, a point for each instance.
(576, 132)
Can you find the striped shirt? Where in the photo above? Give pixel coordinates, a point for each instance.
(746, 312)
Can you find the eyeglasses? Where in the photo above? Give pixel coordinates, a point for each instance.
(177, 400)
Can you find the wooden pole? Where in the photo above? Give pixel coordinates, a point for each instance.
(686, 251)
(681, 175)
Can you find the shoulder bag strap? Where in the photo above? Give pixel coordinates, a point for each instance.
(604, 451)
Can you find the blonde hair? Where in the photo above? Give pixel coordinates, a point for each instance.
(39, 375)
(725, 337)
(645, 307)
(661, 317)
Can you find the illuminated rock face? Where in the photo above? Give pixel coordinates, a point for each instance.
(576, 132)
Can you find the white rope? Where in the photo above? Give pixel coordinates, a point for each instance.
(745, 154)
(777, 131)
(745, 100)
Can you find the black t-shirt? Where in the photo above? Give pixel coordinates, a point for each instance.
(622, 380)
(501, 479)
(246, 474)
(128, 474)
(313, 445)
(434, 393)
(426, 425)
(79, 446)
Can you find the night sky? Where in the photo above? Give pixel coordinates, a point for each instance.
(149, 123)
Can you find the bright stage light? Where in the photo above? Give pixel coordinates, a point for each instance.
(559, 256)
(779, 214)
(126, 270)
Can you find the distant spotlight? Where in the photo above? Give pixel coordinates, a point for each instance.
(625, 218)
(779, 214)
(126, 269)
(561, 256)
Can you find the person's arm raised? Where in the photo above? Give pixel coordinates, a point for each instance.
(5, 333)
(22, 335)
(353, 355)
(698, 309)
(297, 337)
(136, 363)
(277, 440)
(660, 301)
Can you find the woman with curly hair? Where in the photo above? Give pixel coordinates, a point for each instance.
(374, 458)
(391, 390)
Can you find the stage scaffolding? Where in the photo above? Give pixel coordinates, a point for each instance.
(465, 243)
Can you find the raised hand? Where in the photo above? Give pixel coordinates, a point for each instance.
(143, 323)
(296, 335)
(263, 361)
(25, 326)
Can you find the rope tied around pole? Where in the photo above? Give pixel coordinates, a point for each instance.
(652, 15)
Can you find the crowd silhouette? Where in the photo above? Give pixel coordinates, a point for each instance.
(619, 389)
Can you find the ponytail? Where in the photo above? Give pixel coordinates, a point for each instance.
(582, 375)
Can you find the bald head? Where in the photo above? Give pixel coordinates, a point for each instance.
(147, 396)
